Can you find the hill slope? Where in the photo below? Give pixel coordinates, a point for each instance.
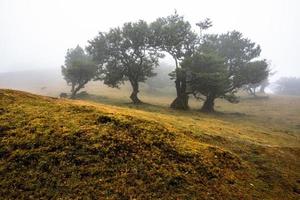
(74, 149)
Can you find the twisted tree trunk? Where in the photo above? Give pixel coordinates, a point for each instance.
(75, 89)
(135, 91)
(73, 93)
(209, 103)
(181, 101)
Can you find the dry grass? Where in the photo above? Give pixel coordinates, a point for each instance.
(123, 151)
(264, 132)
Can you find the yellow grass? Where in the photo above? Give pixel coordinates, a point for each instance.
(263, 135)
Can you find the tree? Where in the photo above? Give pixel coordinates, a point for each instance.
(79, 69)
(208, 79)
(256, 74)
(223, 65)
(203, 25)
(288, 86)
(174, 35)
(261, 86)
(264, 84)
(252, 89)
(125, 54)
(232, 46)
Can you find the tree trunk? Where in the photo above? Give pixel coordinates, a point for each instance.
(208, 105)
(73, 92)
(251, 91)
(135, 91)
(181, 101)
(262, 89)
(74, 89)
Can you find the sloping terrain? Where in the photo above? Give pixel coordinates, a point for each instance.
(54, 148)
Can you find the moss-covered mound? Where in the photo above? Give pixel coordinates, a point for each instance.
(51, 148)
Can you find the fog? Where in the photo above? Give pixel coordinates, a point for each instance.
(36, 34)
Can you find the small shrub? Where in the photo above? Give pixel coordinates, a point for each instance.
(63, 95)
(82, 94)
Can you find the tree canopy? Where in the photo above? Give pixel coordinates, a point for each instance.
(209, 66)
(174, 35)
(208, 78)
(256, 75)
(78, 70)
(236, 49)
(224, 64)
(125, 54)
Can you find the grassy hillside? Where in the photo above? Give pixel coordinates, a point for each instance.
(55, 148)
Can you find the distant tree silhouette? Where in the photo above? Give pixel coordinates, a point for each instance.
(263, 85)
(253, 89)
(257, 74)
(78, 70)
(288, 86)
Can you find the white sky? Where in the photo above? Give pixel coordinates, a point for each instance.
(37, 33)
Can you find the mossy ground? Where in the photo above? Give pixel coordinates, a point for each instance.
(53, 148)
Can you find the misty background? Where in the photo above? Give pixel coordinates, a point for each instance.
(35, 35)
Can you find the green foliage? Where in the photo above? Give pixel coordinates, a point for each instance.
(63, 95)
(237, 51)
(205, 24)
(224, 63)
(232, 46)
(209, 78)
(130, 54)
(78, 70)
(174, 35)
(253, 72)
(209, 75)
(125, 54)
(255, 75)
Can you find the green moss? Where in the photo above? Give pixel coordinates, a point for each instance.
(54, 149)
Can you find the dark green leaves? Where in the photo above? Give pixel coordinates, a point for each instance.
(79, 69)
